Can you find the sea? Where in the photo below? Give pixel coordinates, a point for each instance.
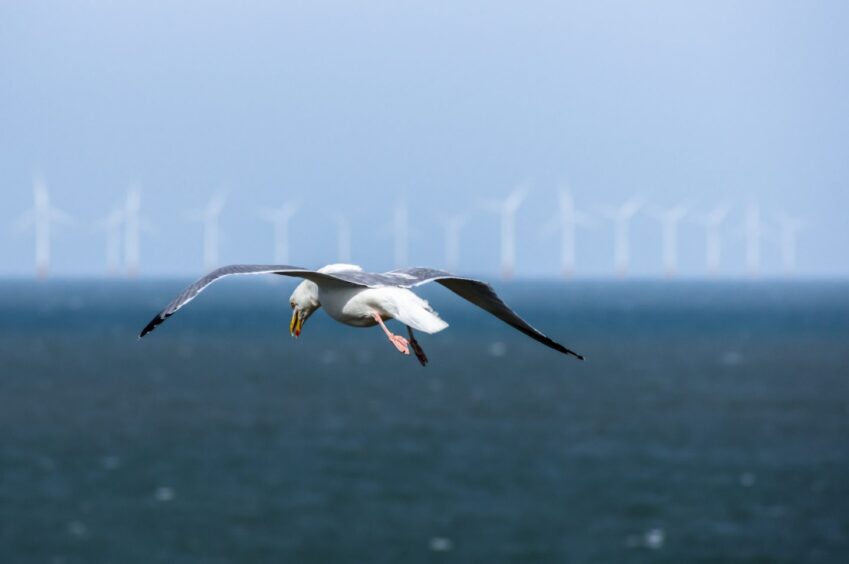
(709, 423)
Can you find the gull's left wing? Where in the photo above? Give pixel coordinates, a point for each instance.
(200, 285)
(479, 293)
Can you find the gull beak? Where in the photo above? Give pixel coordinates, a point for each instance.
(296, 323)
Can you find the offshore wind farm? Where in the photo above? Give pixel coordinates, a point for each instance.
(127, 224)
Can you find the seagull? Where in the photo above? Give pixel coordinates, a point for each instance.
(365, 299)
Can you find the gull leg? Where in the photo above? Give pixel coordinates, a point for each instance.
(397, 340)
(417, 348)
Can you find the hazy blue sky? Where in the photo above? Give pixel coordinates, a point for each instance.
(353, 106)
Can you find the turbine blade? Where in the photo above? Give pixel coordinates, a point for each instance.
(515, 199)
(61, 217)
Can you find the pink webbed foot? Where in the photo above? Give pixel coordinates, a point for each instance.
(400, 343)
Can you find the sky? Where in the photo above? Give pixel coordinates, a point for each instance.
(355, 107)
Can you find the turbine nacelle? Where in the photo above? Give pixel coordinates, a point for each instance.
(717, 215)
(280, 214)
(624, 212)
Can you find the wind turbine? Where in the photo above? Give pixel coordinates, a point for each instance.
(566, 221)
(621, 218)
(754, 234)
(132, 226)
(789, 227)
(279, 218)
(452, 225)
(343, 238)
(401, 231)
(713, 246)
(41, 216)
(111, 225)
(209, 217)
(669, 220)
(507, 209)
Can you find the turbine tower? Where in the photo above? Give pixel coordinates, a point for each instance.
(279, 218)
(453, 224)
(621, 218)
(789, 227)
(132, 226)
(209, 217)
(401, 231)
(669, 220)
(713, 242)
(566, 221)
(111, 225)
(343, 238)
(41, 216)
(754, 234)
(507, 209)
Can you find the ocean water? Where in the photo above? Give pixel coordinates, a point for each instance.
(710, 423)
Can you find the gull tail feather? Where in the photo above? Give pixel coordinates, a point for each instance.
(420, 316)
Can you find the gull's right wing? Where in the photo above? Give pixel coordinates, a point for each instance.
(200, 285)
(479, 293)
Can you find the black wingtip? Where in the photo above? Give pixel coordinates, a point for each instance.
(151, 326)
(557, 346)
(573, 353)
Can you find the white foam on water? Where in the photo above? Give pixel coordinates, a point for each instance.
(654, 538)
(497, 349)
(440, 544)
(164, 493)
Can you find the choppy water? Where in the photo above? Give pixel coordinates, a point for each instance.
(710, 423)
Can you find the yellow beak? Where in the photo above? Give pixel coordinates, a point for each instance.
(296, 323)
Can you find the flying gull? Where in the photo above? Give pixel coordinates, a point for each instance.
(364, 299)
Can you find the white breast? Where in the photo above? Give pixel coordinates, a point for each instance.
(348, 305)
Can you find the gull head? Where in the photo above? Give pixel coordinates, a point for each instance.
(304, 302)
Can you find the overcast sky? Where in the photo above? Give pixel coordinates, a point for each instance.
(353, 107)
